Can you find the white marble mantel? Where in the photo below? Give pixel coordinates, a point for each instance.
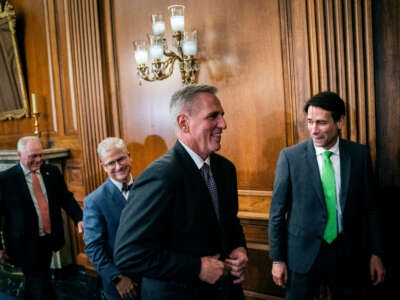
(55, 156)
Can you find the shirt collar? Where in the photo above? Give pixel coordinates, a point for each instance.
(334, 149)
(196, 158)
(118, 184)
(26, 170)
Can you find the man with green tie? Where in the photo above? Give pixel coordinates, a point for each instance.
(323, 216)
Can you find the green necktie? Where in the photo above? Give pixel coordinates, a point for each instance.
(329, 187)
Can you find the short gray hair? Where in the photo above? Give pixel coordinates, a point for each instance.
(22, 142)
(183, 98)
(109, 144)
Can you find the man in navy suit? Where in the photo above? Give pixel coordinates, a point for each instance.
(180, 229)
(101, 214)
(32, 195)
(323, 216)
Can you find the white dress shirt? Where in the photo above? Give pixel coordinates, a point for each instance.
(196, 158)
(335, 158)
(28, 179)
(119, 186)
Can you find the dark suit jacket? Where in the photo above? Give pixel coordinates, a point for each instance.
(169, 223)
(20, 219)
(296, 238)
(101, 214)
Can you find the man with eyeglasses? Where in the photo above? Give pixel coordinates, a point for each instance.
(32, 195)
(101, 216)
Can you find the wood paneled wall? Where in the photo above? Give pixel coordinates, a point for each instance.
(386, 28)
(330, 47)
(266, 58)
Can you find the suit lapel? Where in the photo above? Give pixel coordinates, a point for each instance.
(192, 172)
(26, 198)
(314, 175)
(46, 179)
(114, 194)
(345, 168)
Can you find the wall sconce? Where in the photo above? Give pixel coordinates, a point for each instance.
(185, 43)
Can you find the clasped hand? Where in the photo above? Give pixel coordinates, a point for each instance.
(212, 269)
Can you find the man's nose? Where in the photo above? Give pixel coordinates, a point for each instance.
(314, 128)
(222, 122)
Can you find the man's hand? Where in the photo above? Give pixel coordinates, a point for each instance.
(3, 257)
(280, 273)
(80, 227)
(212, 269)
(127, 289)
(237, 263)
(377, 270)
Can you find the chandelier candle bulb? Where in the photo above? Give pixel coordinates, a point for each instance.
(141, 56)
(34, 105)
(178, 23)
(156, 51)
(189, 48)
(158, 28)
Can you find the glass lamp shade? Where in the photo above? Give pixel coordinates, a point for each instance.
(158, 24)
(141, 54)
(177, 17)
(156, 47)
(189, 45)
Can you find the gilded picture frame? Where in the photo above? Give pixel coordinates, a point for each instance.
(13, 96)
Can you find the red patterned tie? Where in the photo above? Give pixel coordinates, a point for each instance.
(42, 202)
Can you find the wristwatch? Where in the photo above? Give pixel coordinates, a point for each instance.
(116, 279)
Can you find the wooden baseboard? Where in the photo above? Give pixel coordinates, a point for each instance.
(258, 296)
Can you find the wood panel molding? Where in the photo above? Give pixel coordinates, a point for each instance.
(254, 201)
(83, 35)
(330, 48)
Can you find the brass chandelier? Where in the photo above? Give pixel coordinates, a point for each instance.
(163, 59)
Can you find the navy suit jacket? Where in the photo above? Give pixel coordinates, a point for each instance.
(169, 223)
(101, 214)
(298, 213)
(21, 226)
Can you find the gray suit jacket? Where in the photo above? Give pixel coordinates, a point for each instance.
(298, 212)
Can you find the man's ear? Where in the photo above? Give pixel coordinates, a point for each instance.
(340, 123)
(183, 122)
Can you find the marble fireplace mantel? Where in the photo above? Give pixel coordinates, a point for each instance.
(55, 156)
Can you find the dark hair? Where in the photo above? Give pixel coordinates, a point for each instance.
(329, 101)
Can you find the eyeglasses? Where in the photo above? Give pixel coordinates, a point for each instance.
(34, 156)
(112, 164)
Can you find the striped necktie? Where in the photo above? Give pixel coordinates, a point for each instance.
(211, 185)
(42, 202)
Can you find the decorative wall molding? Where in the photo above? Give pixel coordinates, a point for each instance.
(328, 46)
(83, 34)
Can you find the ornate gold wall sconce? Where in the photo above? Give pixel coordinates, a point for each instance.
(163, 59)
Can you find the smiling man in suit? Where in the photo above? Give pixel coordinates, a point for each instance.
(323, 215)
(32, 195)
(180, 229)
(101, 214)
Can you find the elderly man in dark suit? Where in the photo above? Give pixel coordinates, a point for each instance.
(32, 195)
(180, 229)
(101, 216)
(322, 207)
